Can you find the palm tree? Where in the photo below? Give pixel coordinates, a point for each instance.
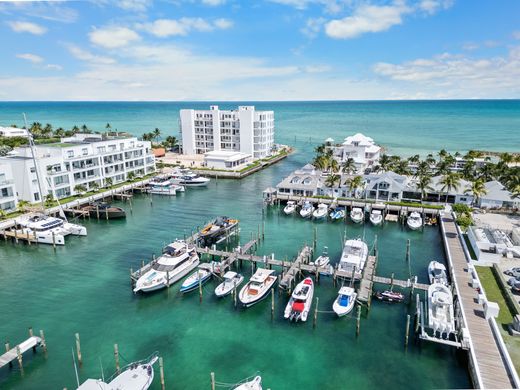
(450, 181)
(468, 170)
(423, 169)
(506, 158)
(22, 205)
(402, 168)
(171, 141)
(515, 191)
(349, 166)
(320, 162)
(84, 129)
(130, 176)
(424, 185)
(320, 149)
(332, 180)
(430, 159)
(333, 165)
(49, 200)
(477, 189)
(75, 129)
(414, 160)
(385, 162)
(94, 186)
(108, 182)
(47, 130)
(486, 172)
(156, 133)
(146, 137)
(59, 132)
(80, 189)
(355, 183)
(442, 154)
(108, 127)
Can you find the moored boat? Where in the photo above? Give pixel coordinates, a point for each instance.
(250, 384)
(321, 211)
(345, 301)
(189, 179)
(357, 215)
(414, 220)
(440, 310)
(306, 210)
(389, 296)
(290, 208)
(376, 217)
(162, 186)
(353, 258)
(104, 210)
(322, 260)
(48, 230)
(200, 276)
(216, 229)
(337, 214)
(231, 281)
(258, 287)
(299, 304)
(437, 273)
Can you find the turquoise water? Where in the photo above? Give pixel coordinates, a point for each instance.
(84, 287)
(404, 127)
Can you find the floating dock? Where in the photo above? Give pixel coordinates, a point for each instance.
(17, 352)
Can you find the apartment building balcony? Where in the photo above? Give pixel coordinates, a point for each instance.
(5, 183)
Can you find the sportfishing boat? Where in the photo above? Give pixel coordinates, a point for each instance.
(306, 210)
(321, 211)
(162, 186)
(414, 220)
(47, 229)
(258, 287)
(376, 217)
(337, 214)
(345, 301)
(290, 208)
(177, 260)
(189, 179)
(389, 296)
(135, 376)
(214, 230)
(299, 304)
(200, 276)
(104, 210)
(322, 260)
(231, 281)
(353, 258)
(440, 310)
(250, 384)
(437, 273)
(357, 215)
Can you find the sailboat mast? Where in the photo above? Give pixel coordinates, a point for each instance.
(31, 145)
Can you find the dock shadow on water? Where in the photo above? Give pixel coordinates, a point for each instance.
(84, 287)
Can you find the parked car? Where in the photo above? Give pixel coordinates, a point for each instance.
(515, 271)
(515, 284)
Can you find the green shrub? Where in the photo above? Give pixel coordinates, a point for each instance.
(464, 221)
(462, 209)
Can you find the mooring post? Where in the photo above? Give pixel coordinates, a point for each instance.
(315, 237)
(19, 357)
(43, 342)
(408, 250)
(272, 304)
(200, 287)
(161, 370)
(407, 330)
(116, 357)
(53, 240)
(167, 279)
(78, 350)
(392, 281)
(315, 320)
(212, 375)
(358, 320)
(235, 293)
(97, 211)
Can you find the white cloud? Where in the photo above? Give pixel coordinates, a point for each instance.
(47, 10)
(516, 34)
(367, 19)
(331, 6)
(35, 59)
(27, 27)
(433, 6)
(317, 68)
(312, 27)
(134, 5)
(174, 27)
(54, 67)
(113, 37)
(213, 3)
(85, 55)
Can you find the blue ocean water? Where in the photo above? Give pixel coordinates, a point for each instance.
(403, 127)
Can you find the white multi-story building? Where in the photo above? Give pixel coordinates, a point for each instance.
(13, 132)
(361, 149)
(83, 159)
(8, 199)
(243, 130)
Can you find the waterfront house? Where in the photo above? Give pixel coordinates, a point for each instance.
(438, 194)
(361, 149)
(387, 186)
(497, 196)
(243, 130)
(222, 159)
(13, 132)
(306, 181)
(8, 201)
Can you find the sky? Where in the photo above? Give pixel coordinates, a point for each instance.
(259, 49)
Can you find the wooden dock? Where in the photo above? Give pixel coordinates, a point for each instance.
(288, 277)
(16, 353)
(489, 362)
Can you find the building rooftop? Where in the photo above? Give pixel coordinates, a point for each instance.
(497, 191)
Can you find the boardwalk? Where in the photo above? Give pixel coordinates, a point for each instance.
(489, 360)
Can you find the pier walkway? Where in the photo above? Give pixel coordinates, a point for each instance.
(16, 352)
(488, 360)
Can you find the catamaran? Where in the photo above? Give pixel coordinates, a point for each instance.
(258, 287)
(290, 208)
(353, 258)
(414, 220)
(177, 260)
(231, 281)
(299, 304)
(440, 310)
(47, 229)
(345, 301)
(357, 215)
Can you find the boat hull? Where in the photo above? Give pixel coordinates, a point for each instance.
(258, 298)
(185, 288)
(224, 289)
(104, 214)
(172, 280)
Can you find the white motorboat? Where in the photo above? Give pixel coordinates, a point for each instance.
(290, 208)
(299, 304)
(323, 260)
(414, 220)
(321, 211)
(192, 282)
(440, 310)
(353, 258)
(306, 210)
(189, 179)
(231, 281)
(177, 260)
(258, 287)
(337, 214)
(250, 384)
(47, 229)
(345, 301)
(135, 376)
(357, 215)
(376, 217)
(437, 273)
(161, 186)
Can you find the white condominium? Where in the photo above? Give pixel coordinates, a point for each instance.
(243, 130)
(8, 199)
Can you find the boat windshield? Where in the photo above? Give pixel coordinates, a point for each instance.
(438, 272)
(168, 267)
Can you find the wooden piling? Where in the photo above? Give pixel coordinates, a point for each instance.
(53, 240)
(78, 350)
(358, 320)
(97, 212)
(235, 293)
(392, 281)
(43, 342)
(19, 357)
(212, 375)
(407, 330)
(272, 304)
(116, 358)
(315, 319)
(200, 288)
(161, 371)
(408, 250)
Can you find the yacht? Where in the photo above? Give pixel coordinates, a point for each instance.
(437, 273)
(135, 376)
(215, 229)
(299, 304)
(323, 260)
(321, 212)
(337, 214)
(440, 310)
(306, 210)
(47, 229)
(376, 217)
(231, 281)
(345, 301)
(357, 215)
(177, 260)
(258, 287)
(160, 186)
(414, 220)
(250, 384)
(353, 258)
(290, 208)
(200, 276)
(389, 296)
(189, 179)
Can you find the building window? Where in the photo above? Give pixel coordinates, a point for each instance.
(36, 196)
(84, 151)
(101, 149)
(70, 153)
